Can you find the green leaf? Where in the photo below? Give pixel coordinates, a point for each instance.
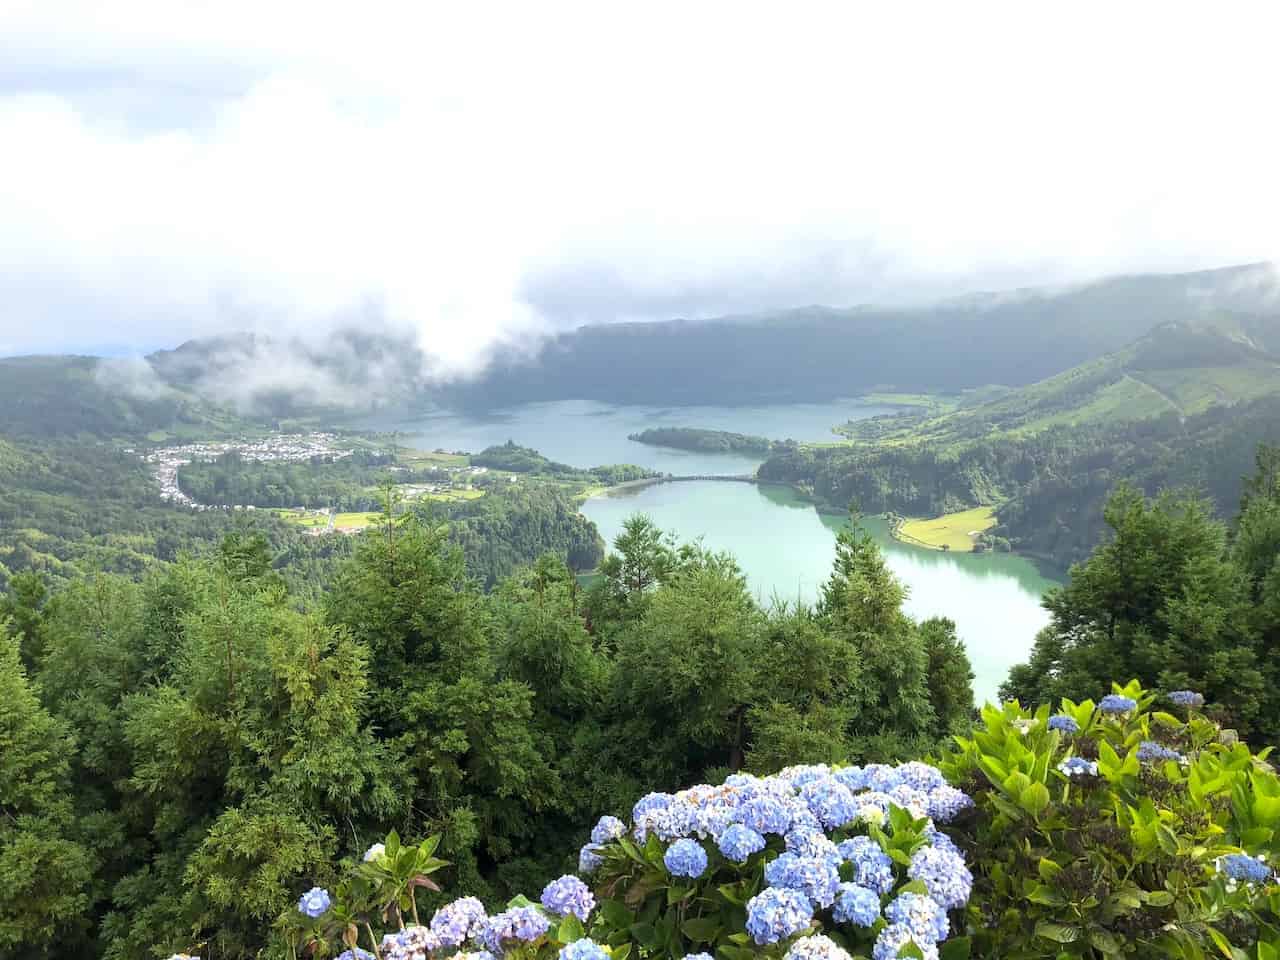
(1057, 932)
(570, 929)
(1035, 798)
(1105, 942)
(956, 948)
(644, 934)
(620, 952)
(701, 929)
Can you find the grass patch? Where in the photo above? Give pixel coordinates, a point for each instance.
(303, 518)
(356, 521)
(952, 531)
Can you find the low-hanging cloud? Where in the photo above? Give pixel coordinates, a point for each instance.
(473, 181)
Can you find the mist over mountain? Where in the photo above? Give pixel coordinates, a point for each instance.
(809, 353)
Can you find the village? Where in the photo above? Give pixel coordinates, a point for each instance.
(166, 463)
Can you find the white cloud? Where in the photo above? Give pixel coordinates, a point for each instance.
(481, 177)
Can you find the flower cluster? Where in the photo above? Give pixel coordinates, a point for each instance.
(584, 950)
(816, 947)
(739, 842)
(518, 924)
(459, 921)
(1064, 724)
(375, 852)
(944, 874)
(1115, 703)
(568, 895)
(314, 903)
(1150, 751)
(922, 915)
(411, 943)
(686, 858)
(776, 913)
(1186, 698)
(1078, 767)
(856, 905)
(355, 953)
(1242, 868)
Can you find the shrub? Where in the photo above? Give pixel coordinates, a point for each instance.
(1118, 829)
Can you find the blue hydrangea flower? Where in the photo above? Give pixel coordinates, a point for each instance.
(925, 919)
(457, 921)
(776, 913)
(915, 802)
(852, 777)
(896, 936)
(1115, 703)
(799, 775)
(830, 801)
(1244, 868)
(411, 943)
(1150, 751)
(816, 947)
(765, 814)
(607, 829)
(946, 803)
(315, 902)
(811, 843)
(857, 905)
(1186, 698)
(881, 777)
(473, 955)
(816, 877)
(589, 858)
(1078, 767)
(944, 874)
(685, 858)
(524, 924)
(1064, 724)
(355, 953)
(739, 842)
(921, 776)
(940, 839)
(568, 895)
(698, 956)
(584, 950)
(872, 867)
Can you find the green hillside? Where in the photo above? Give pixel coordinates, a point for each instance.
(1186, 405)
(48, 396)
(1179, 368)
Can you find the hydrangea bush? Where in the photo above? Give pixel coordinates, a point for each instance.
(1096, 830)
(813, 863)
(1130, 827)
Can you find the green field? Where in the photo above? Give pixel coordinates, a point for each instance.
(952, 531)
(303, 518)
(356, 521)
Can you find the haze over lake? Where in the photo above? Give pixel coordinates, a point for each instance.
(783, 544)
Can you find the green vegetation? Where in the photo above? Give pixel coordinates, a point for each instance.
(517, 459)
(954, 531)
(347, 484)
(1047, 456)
(1177, 598)
(229, 743)
(703, 441)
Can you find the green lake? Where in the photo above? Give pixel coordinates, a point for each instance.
(785, 547)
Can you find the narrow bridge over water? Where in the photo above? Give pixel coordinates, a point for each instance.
(732, 477)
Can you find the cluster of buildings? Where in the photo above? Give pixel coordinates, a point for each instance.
(301, 446)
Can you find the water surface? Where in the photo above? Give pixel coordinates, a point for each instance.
(783, 545)
(786, 549)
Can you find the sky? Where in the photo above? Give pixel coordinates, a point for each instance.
(477, 175)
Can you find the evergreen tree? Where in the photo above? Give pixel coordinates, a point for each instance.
(45, 874)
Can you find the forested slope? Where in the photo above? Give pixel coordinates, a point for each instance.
(1186, 405)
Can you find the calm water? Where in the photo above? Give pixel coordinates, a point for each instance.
(783, 545)
(786, 549)
(586, 434)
